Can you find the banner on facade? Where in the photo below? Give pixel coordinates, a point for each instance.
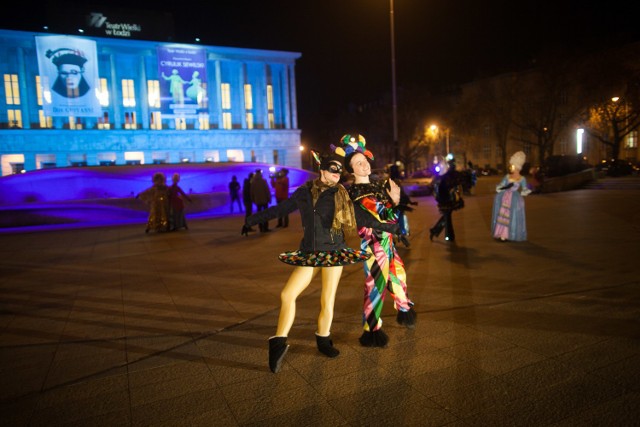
(183, 81)
(69, 78)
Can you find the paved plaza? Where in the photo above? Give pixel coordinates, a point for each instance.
(110, 326)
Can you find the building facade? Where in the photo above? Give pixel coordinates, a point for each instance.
(72, 100)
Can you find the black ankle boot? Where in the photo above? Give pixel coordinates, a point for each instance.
(407, 318)
(374, 339)
(325, 345)
(277, 349)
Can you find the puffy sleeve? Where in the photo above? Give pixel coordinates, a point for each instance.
(525, 190)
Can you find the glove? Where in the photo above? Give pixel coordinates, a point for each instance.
(245, 230)
(506, 187)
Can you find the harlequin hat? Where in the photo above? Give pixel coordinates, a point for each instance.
(352, 144)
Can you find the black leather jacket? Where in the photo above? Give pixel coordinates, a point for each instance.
(316, 220)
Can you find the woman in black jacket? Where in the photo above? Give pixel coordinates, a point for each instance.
(327, 215)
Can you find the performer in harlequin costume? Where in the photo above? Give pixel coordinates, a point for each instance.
(377, 215)
(327, 216)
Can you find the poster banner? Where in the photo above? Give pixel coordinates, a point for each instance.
(183, 81)
(68, 68)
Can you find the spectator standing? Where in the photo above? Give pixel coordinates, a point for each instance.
(246, 197)
(177, 219)
(260, 196)
(234, 193)
(280, 182)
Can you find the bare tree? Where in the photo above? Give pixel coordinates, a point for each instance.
(546, 101)
(614, 111)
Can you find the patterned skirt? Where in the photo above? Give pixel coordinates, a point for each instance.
(324, 258)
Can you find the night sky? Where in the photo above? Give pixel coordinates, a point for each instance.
(346, 44)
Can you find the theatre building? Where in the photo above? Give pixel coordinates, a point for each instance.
(87, 100)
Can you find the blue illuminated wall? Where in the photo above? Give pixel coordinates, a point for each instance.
(93, 196)
(255, 133)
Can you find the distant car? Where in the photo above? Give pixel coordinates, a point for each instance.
(487, 171)
(418, 183)
(616, 167)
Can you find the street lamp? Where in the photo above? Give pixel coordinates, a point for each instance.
(394, 104)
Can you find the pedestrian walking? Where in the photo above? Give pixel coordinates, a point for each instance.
(448, 194)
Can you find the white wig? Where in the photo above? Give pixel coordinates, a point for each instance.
(517, 160)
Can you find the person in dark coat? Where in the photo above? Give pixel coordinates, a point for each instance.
(261, 196)
(327, 216)
(448, 194)
(234, 193)
(246, 197)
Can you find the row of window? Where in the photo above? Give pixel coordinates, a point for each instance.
(15, 163)
(203, 122)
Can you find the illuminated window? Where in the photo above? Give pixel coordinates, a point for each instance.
(130, 120)
(226, 121)
(46, 122)
(235, 156)
(103, 93)
(156, 120)
(181, 124)
(103, 122)
(11, 89)
(248, 98)
(128, 93)
(203, 120)
(270, 115)
(225, 89)
(75, 123)
(38, 91)
(15, 118)
(248, 106)
(632, 139)
(153, 93)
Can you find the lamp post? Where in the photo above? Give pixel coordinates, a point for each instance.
(394, 104)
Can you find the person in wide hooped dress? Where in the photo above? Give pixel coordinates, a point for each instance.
(508, 219)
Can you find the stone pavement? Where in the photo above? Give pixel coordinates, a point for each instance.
(111, 327)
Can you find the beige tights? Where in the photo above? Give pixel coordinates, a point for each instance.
(297, 283)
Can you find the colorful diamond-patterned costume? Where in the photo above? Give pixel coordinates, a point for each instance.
(377, 220)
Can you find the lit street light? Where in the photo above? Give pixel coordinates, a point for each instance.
(396, 149)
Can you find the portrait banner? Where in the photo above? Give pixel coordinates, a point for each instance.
(68, 68)
(183, 81)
